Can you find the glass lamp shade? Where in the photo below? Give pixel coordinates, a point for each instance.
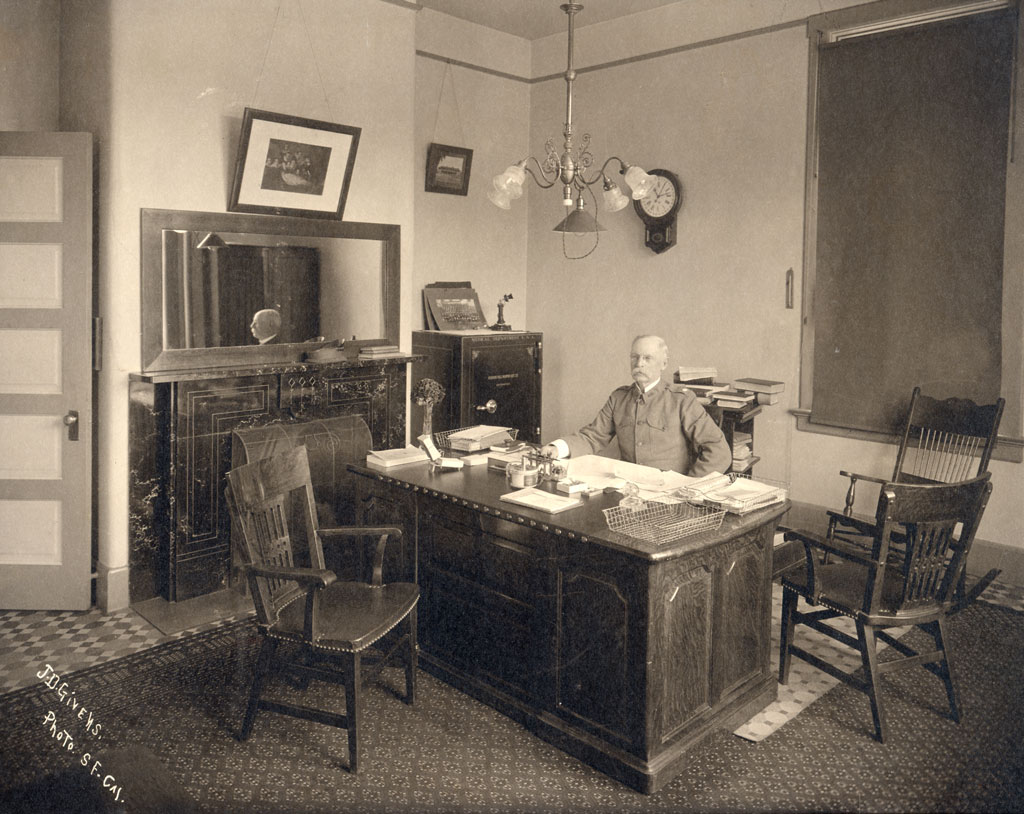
(614, 200)
(639, 181)
(511, 181)
(498, 198)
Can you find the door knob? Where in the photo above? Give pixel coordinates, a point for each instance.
(489, 407)
(71, 422)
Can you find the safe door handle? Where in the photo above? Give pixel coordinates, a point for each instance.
(71, 422)
(489, 407)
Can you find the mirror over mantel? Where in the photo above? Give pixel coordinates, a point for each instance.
(206, 275)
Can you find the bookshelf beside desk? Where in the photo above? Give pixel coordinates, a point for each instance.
(736, 420)
(735, 406)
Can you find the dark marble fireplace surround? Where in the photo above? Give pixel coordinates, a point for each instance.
(180, 432)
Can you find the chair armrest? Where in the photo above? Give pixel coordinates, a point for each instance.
(383, 533)
(860, 526)
(869, 478)
(307, 577)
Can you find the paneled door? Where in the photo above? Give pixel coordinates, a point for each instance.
(46, 370)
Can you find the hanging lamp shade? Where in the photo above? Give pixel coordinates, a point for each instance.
(579, 221)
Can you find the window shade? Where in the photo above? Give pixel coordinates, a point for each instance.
(912, 145)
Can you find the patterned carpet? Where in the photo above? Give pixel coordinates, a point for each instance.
(181, 701)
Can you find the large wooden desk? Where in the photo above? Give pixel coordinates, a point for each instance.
(623, 653)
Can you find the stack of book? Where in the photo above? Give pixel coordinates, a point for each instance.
(765, 390)
(474, 439)
(696, 375)
(742, 455)
(705, 393)
(732, 398)
(379, 351)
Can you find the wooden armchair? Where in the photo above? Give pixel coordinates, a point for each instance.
(879, 593)
(325, 625)
(943, 441)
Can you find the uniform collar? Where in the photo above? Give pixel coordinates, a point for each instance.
(647, 391)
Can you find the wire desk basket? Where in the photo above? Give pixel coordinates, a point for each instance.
(441, 439)
(660, 523)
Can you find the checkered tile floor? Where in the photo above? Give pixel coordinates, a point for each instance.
(72, 640)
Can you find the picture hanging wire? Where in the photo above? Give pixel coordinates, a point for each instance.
(447, 77)
(312, 53)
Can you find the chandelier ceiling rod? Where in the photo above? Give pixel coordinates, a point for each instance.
(570, 167)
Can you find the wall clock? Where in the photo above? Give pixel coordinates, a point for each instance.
(658, 209)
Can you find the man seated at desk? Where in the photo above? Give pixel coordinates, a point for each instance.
(656, 423)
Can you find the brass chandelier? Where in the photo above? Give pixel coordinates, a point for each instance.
(570, 169)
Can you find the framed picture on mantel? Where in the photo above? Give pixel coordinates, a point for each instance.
(288, 165)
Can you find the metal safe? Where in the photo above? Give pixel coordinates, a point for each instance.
(488, 378)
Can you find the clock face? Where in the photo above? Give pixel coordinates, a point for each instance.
(662, 200)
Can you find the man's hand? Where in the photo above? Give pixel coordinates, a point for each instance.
(550, 450)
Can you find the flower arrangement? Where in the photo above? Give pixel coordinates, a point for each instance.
(426, 394)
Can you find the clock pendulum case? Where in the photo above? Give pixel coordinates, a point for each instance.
(658, 209)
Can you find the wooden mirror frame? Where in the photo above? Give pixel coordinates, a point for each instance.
(155, 357)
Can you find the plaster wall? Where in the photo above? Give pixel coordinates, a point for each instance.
(29, 64)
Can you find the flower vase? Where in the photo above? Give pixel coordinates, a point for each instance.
(428, 419)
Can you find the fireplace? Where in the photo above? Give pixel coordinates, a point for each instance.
(180, 444)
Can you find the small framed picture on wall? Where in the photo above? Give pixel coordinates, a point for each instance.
(448, 169)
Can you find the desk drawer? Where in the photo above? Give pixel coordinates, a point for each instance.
(513, 568)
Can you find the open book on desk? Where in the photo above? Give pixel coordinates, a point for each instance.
(599, 472)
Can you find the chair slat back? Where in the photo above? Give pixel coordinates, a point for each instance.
(945, 441)
(930, 515)
(268, 497)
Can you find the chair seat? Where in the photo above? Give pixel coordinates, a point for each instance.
(840, 585)
(353, 615)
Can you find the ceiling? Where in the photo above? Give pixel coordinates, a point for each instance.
(533, 19)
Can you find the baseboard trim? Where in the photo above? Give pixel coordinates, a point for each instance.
(986, 555)
(112, 592)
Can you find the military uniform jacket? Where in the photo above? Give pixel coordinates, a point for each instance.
(665, 428)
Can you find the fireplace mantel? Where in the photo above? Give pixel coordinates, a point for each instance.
(180, 449)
